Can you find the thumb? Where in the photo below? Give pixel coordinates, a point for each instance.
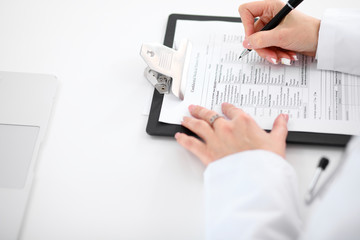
(263, 39)
(280, 130)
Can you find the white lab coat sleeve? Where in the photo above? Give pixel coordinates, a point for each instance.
(251, 195)
(339, 39)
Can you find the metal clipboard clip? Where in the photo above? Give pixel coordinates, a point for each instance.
(167, 67)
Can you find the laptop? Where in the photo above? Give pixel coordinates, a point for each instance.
(26, 101)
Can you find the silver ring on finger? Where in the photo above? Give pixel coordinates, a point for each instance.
(213, 119)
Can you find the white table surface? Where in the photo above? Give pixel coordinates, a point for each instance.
(99, 175)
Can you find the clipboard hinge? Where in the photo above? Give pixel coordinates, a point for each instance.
(167, 67)
(161, 82)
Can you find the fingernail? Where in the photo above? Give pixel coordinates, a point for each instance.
(286, 117)
(286, 61)
(185, 120)
(272, 60)
(246, 44)
(191, 108)
(295, 57)
(177, 135)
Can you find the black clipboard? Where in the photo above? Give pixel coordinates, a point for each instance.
(156, 128)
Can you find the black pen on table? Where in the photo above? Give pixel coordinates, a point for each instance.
(323, 163)
(290, 5)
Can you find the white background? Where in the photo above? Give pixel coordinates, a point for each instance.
(99, 175)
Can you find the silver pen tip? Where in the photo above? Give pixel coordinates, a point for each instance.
(244, 53)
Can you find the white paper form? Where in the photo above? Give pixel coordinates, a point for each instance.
(316, 101)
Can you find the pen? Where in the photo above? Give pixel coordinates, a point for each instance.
(323, 163)
(290, 5)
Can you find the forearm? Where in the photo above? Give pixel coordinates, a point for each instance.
(253, 194)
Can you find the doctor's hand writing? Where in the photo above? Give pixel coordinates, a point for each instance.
(225, 137)
(296, 33)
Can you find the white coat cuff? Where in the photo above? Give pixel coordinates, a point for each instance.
(338, 41)
(252, 194)
(254, 160)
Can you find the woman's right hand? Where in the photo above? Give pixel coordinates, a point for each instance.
(296, 33)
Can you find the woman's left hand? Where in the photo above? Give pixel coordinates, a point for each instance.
(224, 137)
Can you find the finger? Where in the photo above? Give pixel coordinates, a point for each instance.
(293, 55)
(269, 54)
(200, 127)
(205, 114)
(275, 55)
(260, 23)
(279, 130)
(248, 12)
(230, 111)
(194, 145)
(284, 57)
(263, 39)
